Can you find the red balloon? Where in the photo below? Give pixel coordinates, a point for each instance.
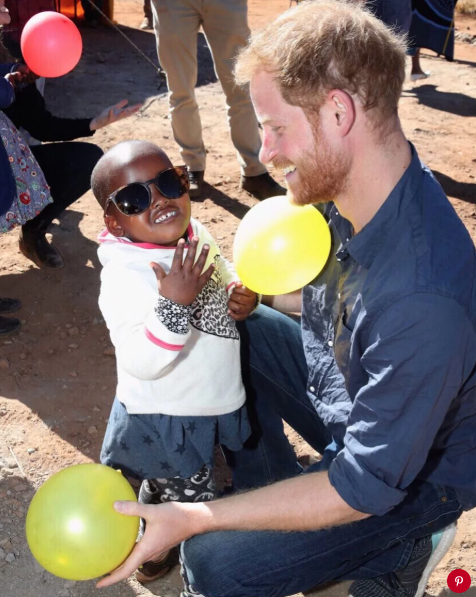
(51, 44)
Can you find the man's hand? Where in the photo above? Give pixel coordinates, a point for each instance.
(167, 525)
(5, 17)
(113, 114)
(185, 281)
(241, 303)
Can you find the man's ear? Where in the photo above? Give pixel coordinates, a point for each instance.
(113, 225)
(342, 107)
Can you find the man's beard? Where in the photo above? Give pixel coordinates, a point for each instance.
(322, 174)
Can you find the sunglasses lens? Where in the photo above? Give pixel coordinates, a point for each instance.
(173, 183)
(132, 200)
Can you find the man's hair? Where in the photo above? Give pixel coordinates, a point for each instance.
(322, 45)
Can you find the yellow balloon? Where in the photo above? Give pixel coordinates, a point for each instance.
(72, 528)
(280, 247)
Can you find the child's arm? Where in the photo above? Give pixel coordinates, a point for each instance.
(149, 329)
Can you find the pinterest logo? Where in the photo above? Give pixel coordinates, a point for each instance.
(459, 581)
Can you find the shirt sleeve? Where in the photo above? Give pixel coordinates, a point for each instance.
(7, 93)
(418, 356)
(29, 111)
(147, 330)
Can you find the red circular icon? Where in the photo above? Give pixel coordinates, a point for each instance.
(459, 581)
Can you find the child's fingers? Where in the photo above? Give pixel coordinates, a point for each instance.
(158, 270)
(192, 251)
(240, 289)
(177, 261)
(202, 259)
(203, 279)
(236, 307)
(242, 299)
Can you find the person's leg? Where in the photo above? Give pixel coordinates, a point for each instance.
(176, 24)
(148, 20)
(275, 376)
(397, 14)
(226, 28)
(67, 168)
(261, 564)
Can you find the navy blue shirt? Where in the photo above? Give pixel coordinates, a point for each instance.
(389, 333)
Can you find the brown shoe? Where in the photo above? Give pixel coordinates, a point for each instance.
(196, 183)
(262, 186)
(150, 571)
(41, 252)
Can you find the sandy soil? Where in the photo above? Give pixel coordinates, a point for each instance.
(57, 377)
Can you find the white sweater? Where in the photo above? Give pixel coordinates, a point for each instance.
(174, 360)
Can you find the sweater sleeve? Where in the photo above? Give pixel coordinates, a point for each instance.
(147, 330)
(29, 111)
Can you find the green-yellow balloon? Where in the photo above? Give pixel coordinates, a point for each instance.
(72, 528)
(280, 247)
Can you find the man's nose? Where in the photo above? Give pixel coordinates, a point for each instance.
(267, 152)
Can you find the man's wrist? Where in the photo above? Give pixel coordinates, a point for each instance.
(200, 518)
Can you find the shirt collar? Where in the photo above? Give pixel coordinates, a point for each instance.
(365, 246)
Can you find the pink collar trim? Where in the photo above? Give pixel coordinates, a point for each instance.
(105, 236)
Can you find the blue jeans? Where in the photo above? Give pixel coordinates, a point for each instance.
(273, 564)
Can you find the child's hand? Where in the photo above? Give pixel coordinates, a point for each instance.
(242, 301)
(14, 79)
(185, 281)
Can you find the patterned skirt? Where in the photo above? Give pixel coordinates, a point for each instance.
(164, 446)
(33, 192)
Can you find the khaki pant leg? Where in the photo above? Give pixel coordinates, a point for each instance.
(225, 23)
(176, 24)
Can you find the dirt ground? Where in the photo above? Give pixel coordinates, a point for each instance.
(57, 377)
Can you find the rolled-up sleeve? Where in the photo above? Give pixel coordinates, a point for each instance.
(418, 355)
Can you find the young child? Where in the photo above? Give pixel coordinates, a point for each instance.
(170, 302)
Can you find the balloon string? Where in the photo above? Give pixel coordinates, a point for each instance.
(158, 69)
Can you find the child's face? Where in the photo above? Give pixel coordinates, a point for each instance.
(144, 227)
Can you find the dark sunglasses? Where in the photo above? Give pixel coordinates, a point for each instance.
(135, 198)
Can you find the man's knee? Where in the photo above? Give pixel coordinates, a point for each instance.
(208, 564)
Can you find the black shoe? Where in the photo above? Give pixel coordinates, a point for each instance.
(8, 305)
(196, 183)
(262, 186)
(403, 583)
(9, 326)
(41, 252)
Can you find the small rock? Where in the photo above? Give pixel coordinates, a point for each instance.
(5, 544)
(218, 183)
(31, 450)
(2, 554)
(11, 463)
(73, 331)
(20, 487)
(109, 352)
(51, 351)
(23, 356)
(62, 335)
(4, 364)
(96, 409)
(73, 374)
(72, 346)
(68, 326)
(103, 388)
(10, 558)
(92, 430)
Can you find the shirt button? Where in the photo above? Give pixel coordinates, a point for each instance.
(338, 296)
(312, 389)
(330, 343)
